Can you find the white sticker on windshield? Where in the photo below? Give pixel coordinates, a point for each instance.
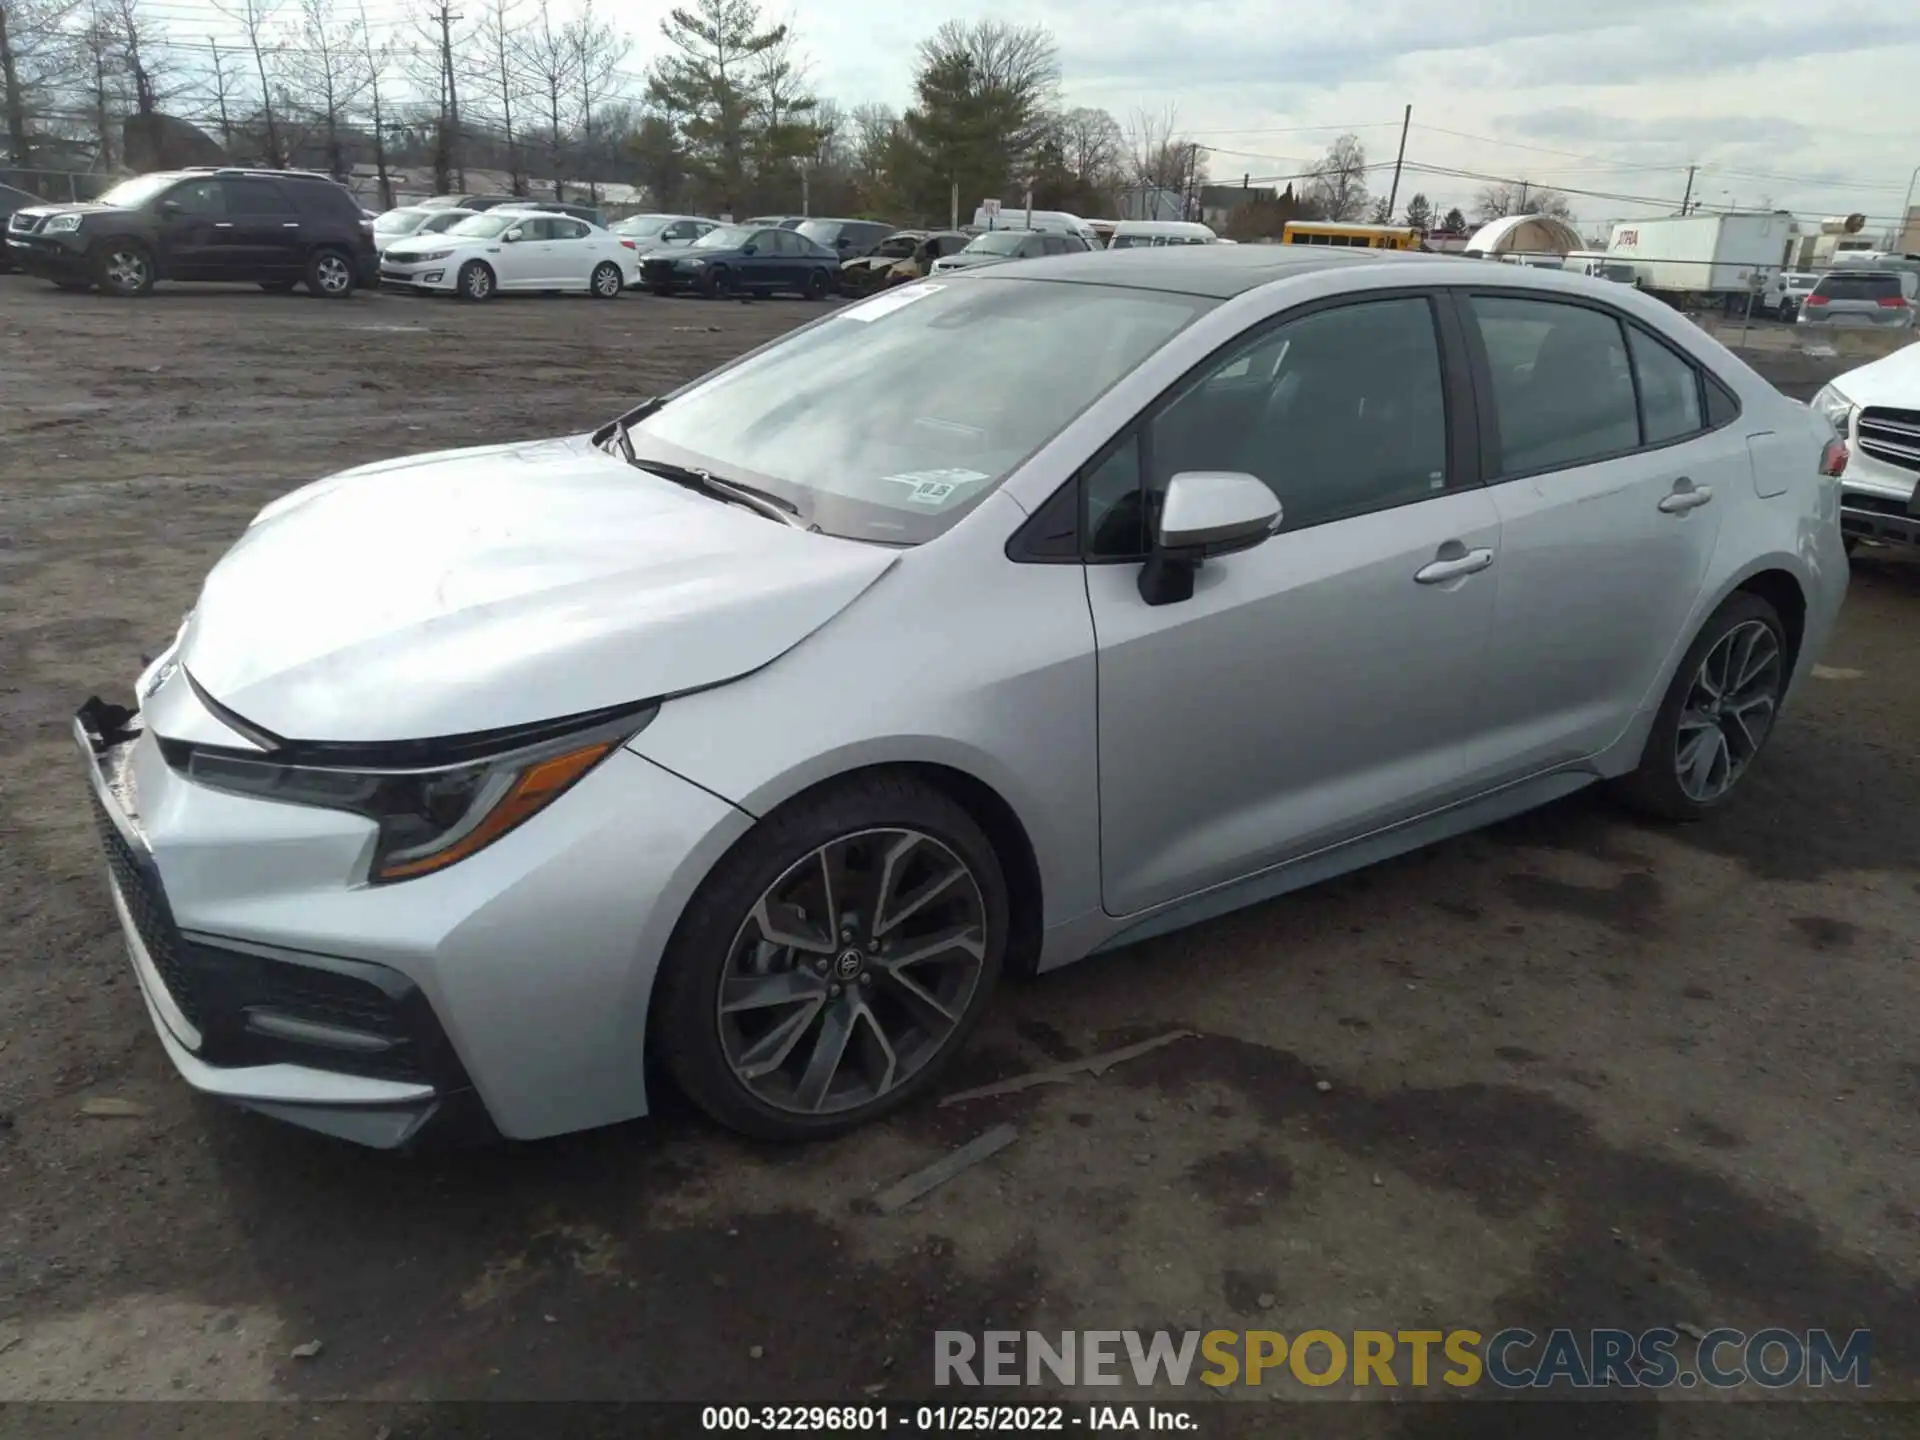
(934, 487)
(890, 301)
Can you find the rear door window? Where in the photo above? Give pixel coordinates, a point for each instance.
(256, 197)
(1562, 387)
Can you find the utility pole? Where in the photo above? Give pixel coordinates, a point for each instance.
(1393, 195)
(806, 191)
(1689, 195)
(450, 116)
(1523, 198)
(953, 207)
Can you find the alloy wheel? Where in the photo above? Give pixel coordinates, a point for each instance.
(479, 282)
(606, 281)
(1728, 711)
(127, 270)
(852, 971)
(332, 273)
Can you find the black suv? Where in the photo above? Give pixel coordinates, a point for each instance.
(273, 228)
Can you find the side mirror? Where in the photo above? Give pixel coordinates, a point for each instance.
(1206, 513)
(169, 207)
(511, 236)
(749, 249)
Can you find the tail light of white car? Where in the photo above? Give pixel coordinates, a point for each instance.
(1833, 459)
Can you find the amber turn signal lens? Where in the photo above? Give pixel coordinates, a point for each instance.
(538, 786)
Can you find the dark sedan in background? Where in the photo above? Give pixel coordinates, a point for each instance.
(738, 260)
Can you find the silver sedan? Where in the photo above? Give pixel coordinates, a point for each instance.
(761, 731)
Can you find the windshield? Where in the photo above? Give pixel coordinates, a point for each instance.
(892, 418)
(485, 227)
(442, 221)
(996, 242)
(643, 226)
(727, 237)
(137, 190)
(400, 222)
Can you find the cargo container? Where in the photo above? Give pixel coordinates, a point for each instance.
(1705, 259)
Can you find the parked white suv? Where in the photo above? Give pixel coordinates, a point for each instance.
(1876, 410)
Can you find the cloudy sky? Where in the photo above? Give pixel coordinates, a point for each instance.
(1812, 106)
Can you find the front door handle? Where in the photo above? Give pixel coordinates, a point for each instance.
(223, 224)
(1685, 496)
(1469, 562)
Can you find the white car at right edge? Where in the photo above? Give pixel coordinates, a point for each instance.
(1876, 410)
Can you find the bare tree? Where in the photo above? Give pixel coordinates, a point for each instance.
(255, 19)
(37, 62)
(500, 81)
(597, 51)
(377, 61)
(1516, 197)
(332, 73)
(1150, 143)
(788, 108)
(1092, 147)
(546, 62)
(132, 33)
(430, 65)
(1337, 181)
(222, 79)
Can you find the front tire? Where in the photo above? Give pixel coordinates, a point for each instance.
(476, 281)
(608, 282)
(125, 269)
(834, 961)
(717, 283)
(816, 287)
(1717, 715)
(329, 275)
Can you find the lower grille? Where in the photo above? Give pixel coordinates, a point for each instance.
(152, 917)
(1879, 504)
(1891, 436)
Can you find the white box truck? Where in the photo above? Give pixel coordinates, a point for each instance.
(1693, 260)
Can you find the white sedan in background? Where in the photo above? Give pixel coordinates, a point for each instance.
(509, 249)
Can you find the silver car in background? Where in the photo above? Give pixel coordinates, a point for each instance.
(759, 732)
(1860, 299)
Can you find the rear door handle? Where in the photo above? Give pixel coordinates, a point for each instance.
(223, 224)
(1471, 563)
(290, 225)
(1685, 496)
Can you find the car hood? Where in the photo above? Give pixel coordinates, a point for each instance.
(1893, 380)
(83, 207)
(474, 589)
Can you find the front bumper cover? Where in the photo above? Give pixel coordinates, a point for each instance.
(345, 1047)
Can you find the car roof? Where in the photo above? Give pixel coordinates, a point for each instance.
(1217, 271)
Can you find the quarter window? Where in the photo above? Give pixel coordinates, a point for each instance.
(1562, 389)
(1669, 389)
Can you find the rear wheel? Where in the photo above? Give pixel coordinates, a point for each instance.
(476, 280)
(1717, 714)
(834, 961)
(607, 281)
(329, 275)
(125, 268)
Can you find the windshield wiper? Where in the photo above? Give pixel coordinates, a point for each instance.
(772, 506)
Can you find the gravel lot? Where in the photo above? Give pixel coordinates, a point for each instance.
(1583, 1070)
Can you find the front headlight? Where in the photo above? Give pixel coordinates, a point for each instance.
(1835, 408)
(428, 818)
(60, 225)
(433, 255)
(689, 264)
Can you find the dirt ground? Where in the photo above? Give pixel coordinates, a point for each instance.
(1583, 1070)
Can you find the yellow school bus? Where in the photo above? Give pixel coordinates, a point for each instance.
(1368, 237)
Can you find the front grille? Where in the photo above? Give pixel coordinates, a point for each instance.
(21, 223)
(1891, 435)
(140, 888)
